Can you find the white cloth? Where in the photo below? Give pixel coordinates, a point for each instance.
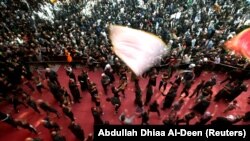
(138, 49)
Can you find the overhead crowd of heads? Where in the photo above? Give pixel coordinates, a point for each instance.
(199, 25)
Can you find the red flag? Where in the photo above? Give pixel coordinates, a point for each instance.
(240, 44)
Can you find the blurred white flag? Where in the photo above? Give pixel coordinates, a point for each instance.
(138, 49)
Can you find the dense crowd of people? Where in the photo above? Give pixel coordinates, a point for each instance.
(194, 30)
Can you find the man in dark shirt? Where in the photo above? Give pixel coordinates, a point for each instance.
(204, 119)
(187, 118)
(57, 137)
(211, 82)
(154, 107)
(52, 76)
(144, 118)
(76, 130)
(149, 94)
(197, 89)
(83, 79)
(7, 119)
(51, 125)
(47, 108)
(74, 91)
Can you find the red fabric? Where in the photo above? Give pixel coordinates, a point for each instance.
(240, 43)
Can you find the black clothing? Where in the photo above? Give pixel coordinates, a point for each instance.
(149, 94)
(46, 108)
(52, 76)
(68, 113)
(77, 131)
(74, 91)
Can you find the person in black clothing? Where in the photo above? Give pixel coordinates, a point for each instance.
(97, 116)
(198, 69)
(14, 74)
(152, 78)
(163, 82)
(187, 118)
(66, 98)
(57, 137)
(188, 76)
(98, 105)
(54, 89)
(197, 89)
(144, 118)
(93, 91)
(91, 63)
(122, 86)
(47, 108)
(171, 119)
(52, 76)
(137, 93)
(51, 125)
(235, 74)
(138, 98)
(236, 92)
(177, 80)
(67, 111)
(186, 88)
(122, 73)
(223, 92)
(109, 72)
(149, 94)
(211, 82)
(205, 118)
(229, 78)
(77, 131)
(169, 97)
(8, 119)
(115, 91)
(70, 73)
(30, 101)
(116, 102)
(83, 79)
(39, 84)
(202, 104)
(206, 92)
(28, 75)
(26, 125)
(16, 102)
(154, 107)
(74, 91)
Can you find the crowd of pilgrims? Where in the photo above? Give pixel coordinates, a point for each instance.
(195, 37)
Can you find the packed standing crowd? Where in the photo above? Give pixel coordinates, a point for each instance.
(194, 30)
